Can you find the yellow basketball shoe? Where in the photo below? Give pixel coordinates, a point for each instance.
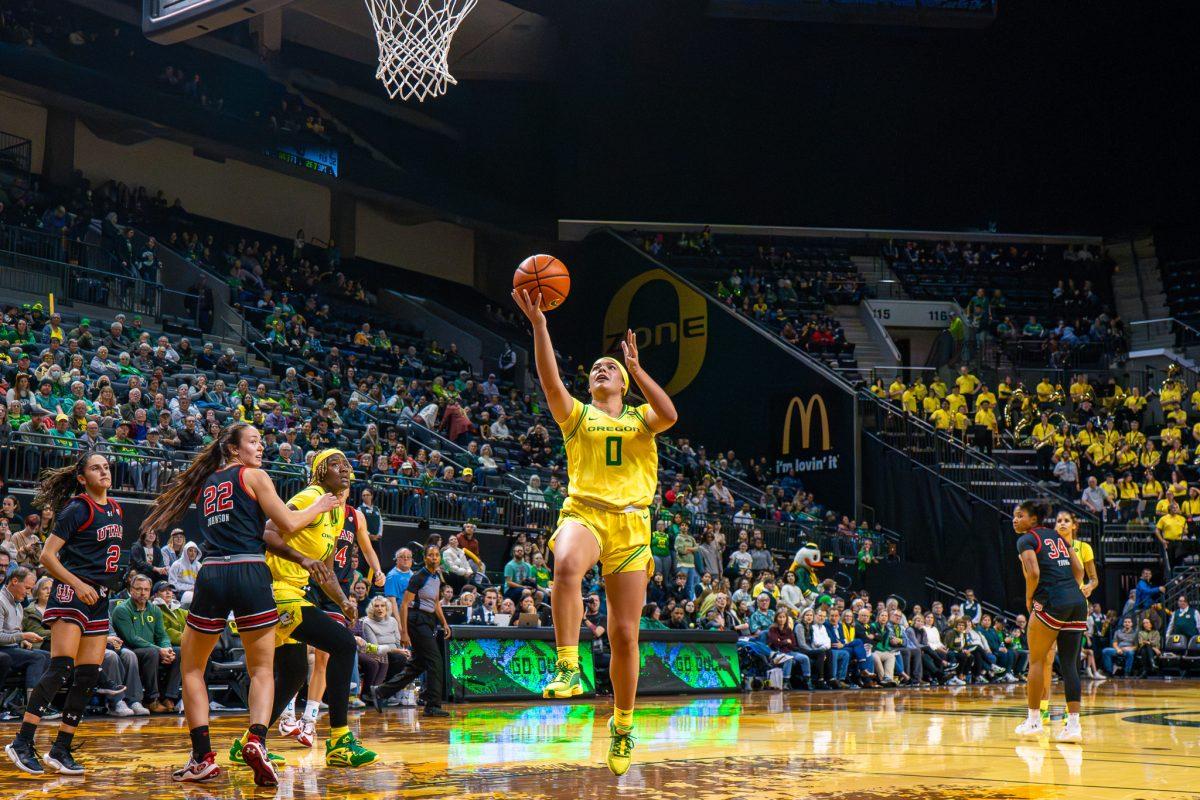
(566, 682)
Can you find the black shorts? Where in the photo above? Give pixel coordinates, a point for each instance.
(318, 598)
(65, 605)
(242, 587)
(1071, 617)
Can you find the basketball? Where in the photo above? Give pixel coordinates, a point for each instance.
(545, 274)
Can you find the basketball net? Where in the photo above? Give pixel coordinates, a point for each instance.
(414, 44)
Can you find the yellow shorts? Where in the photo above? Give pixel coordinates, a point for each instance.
(623, 536)
(289, 600)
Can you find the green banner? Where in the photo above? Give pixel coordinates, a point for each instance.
(669, 667)
(508, 668)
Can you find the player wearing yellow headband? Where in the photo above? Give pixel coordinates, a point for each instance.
(301, 623)
(612, 471)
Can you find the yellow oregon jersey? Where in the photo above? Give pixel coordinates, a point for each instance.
(611, 463)
(1084, 551)
(314, 541)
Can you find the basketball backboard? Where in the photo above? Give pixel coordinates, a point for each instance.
(170, 21)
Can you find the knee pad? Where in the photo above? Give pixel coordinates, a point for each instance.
(55, 677)
(86, 678)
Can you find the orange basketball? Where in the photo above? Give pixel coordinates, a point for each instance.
(545, 274)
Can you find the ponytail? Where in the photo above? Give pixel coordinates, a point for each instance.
(57, 486)
(174, 502)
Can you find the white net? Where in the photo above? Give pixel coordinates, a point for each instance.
(414, 44)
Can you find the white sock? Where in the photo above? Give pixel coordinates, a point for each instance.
(1035, 717)
(312, 710)
(1073, 720)
(290, 709)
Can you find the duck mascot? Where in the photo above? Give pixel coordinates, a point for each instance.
(805, 564)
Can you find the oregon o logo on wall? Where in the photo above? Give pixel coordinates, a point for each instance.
(806, 419)
(690, 330)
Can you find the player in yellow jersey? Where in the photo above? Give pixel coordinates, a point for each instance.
(293, 559)
(612, 471)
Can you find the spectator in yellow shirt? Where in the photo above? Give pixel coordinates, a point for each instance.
(1177, 489)
(1191, 507)
(1088, 436)
(967, 383)
(878, 389)
(956, 401)
(1127, 496)
(1080, 388)
(938, 387)
(1005, 389)
(909, 401)
(1110, 433)
(1045, 390)
(985, 394)
(1152, 492)
(942, 419)
(920, 389)
(1043, 445)
(896, 391)
(1171, 530)
(1134, 437)
(930, 404)
(986, 418)
(1151, 456)
(1125, 459)
(1135, 403)
(1177, 455)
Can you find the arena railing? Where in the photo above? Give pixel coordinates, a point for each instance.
(966, 467)
(948, 595)
(1129, 544)
(41, 264)
(143, 472)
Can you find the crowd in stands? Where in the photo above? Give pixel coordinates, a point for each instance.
(787, 288)
(91, 39)
(1048, 306)
(1093, 441)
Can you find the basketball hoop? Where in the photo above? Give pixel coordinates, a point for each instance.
(414, 44)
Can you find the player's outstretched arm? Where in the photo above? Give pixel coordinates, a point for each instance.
(557, 396)
(287, 519)
(662, 411)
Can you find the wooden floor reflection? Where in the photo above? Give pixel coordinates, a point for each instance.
(1143, 741)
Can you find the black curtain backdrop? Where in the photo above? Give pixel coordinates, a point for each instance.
(961, 541)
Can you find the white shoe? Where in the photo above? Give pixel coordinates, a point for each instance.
(288, 726)
(308, 732)
(408, 698)
(121, 709)
(956, 681)
(1069, 733)
(1009, 678)
(1030, 728)
(139, 709)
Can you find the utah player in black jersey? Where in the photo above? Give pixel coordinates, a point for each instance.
(1057, 614)
(353, 539)
(234, 497)
(86, 557)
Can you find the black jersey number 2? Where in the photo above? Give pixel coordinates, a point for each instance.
(612, 451)
(218, 498)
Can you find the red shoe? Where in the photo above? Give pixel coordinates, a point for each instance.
(307, 732)
(198, 771)
(256, 759)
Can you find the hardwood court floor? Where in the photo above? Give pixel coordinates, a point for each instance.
(1143, 741)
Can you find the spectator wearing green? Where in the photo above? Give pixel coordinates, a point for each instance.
(660, 548)
(1033, 328)
(554, 495)
(140, 626)
(685, 559)
(518, 574)
(174, 616)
